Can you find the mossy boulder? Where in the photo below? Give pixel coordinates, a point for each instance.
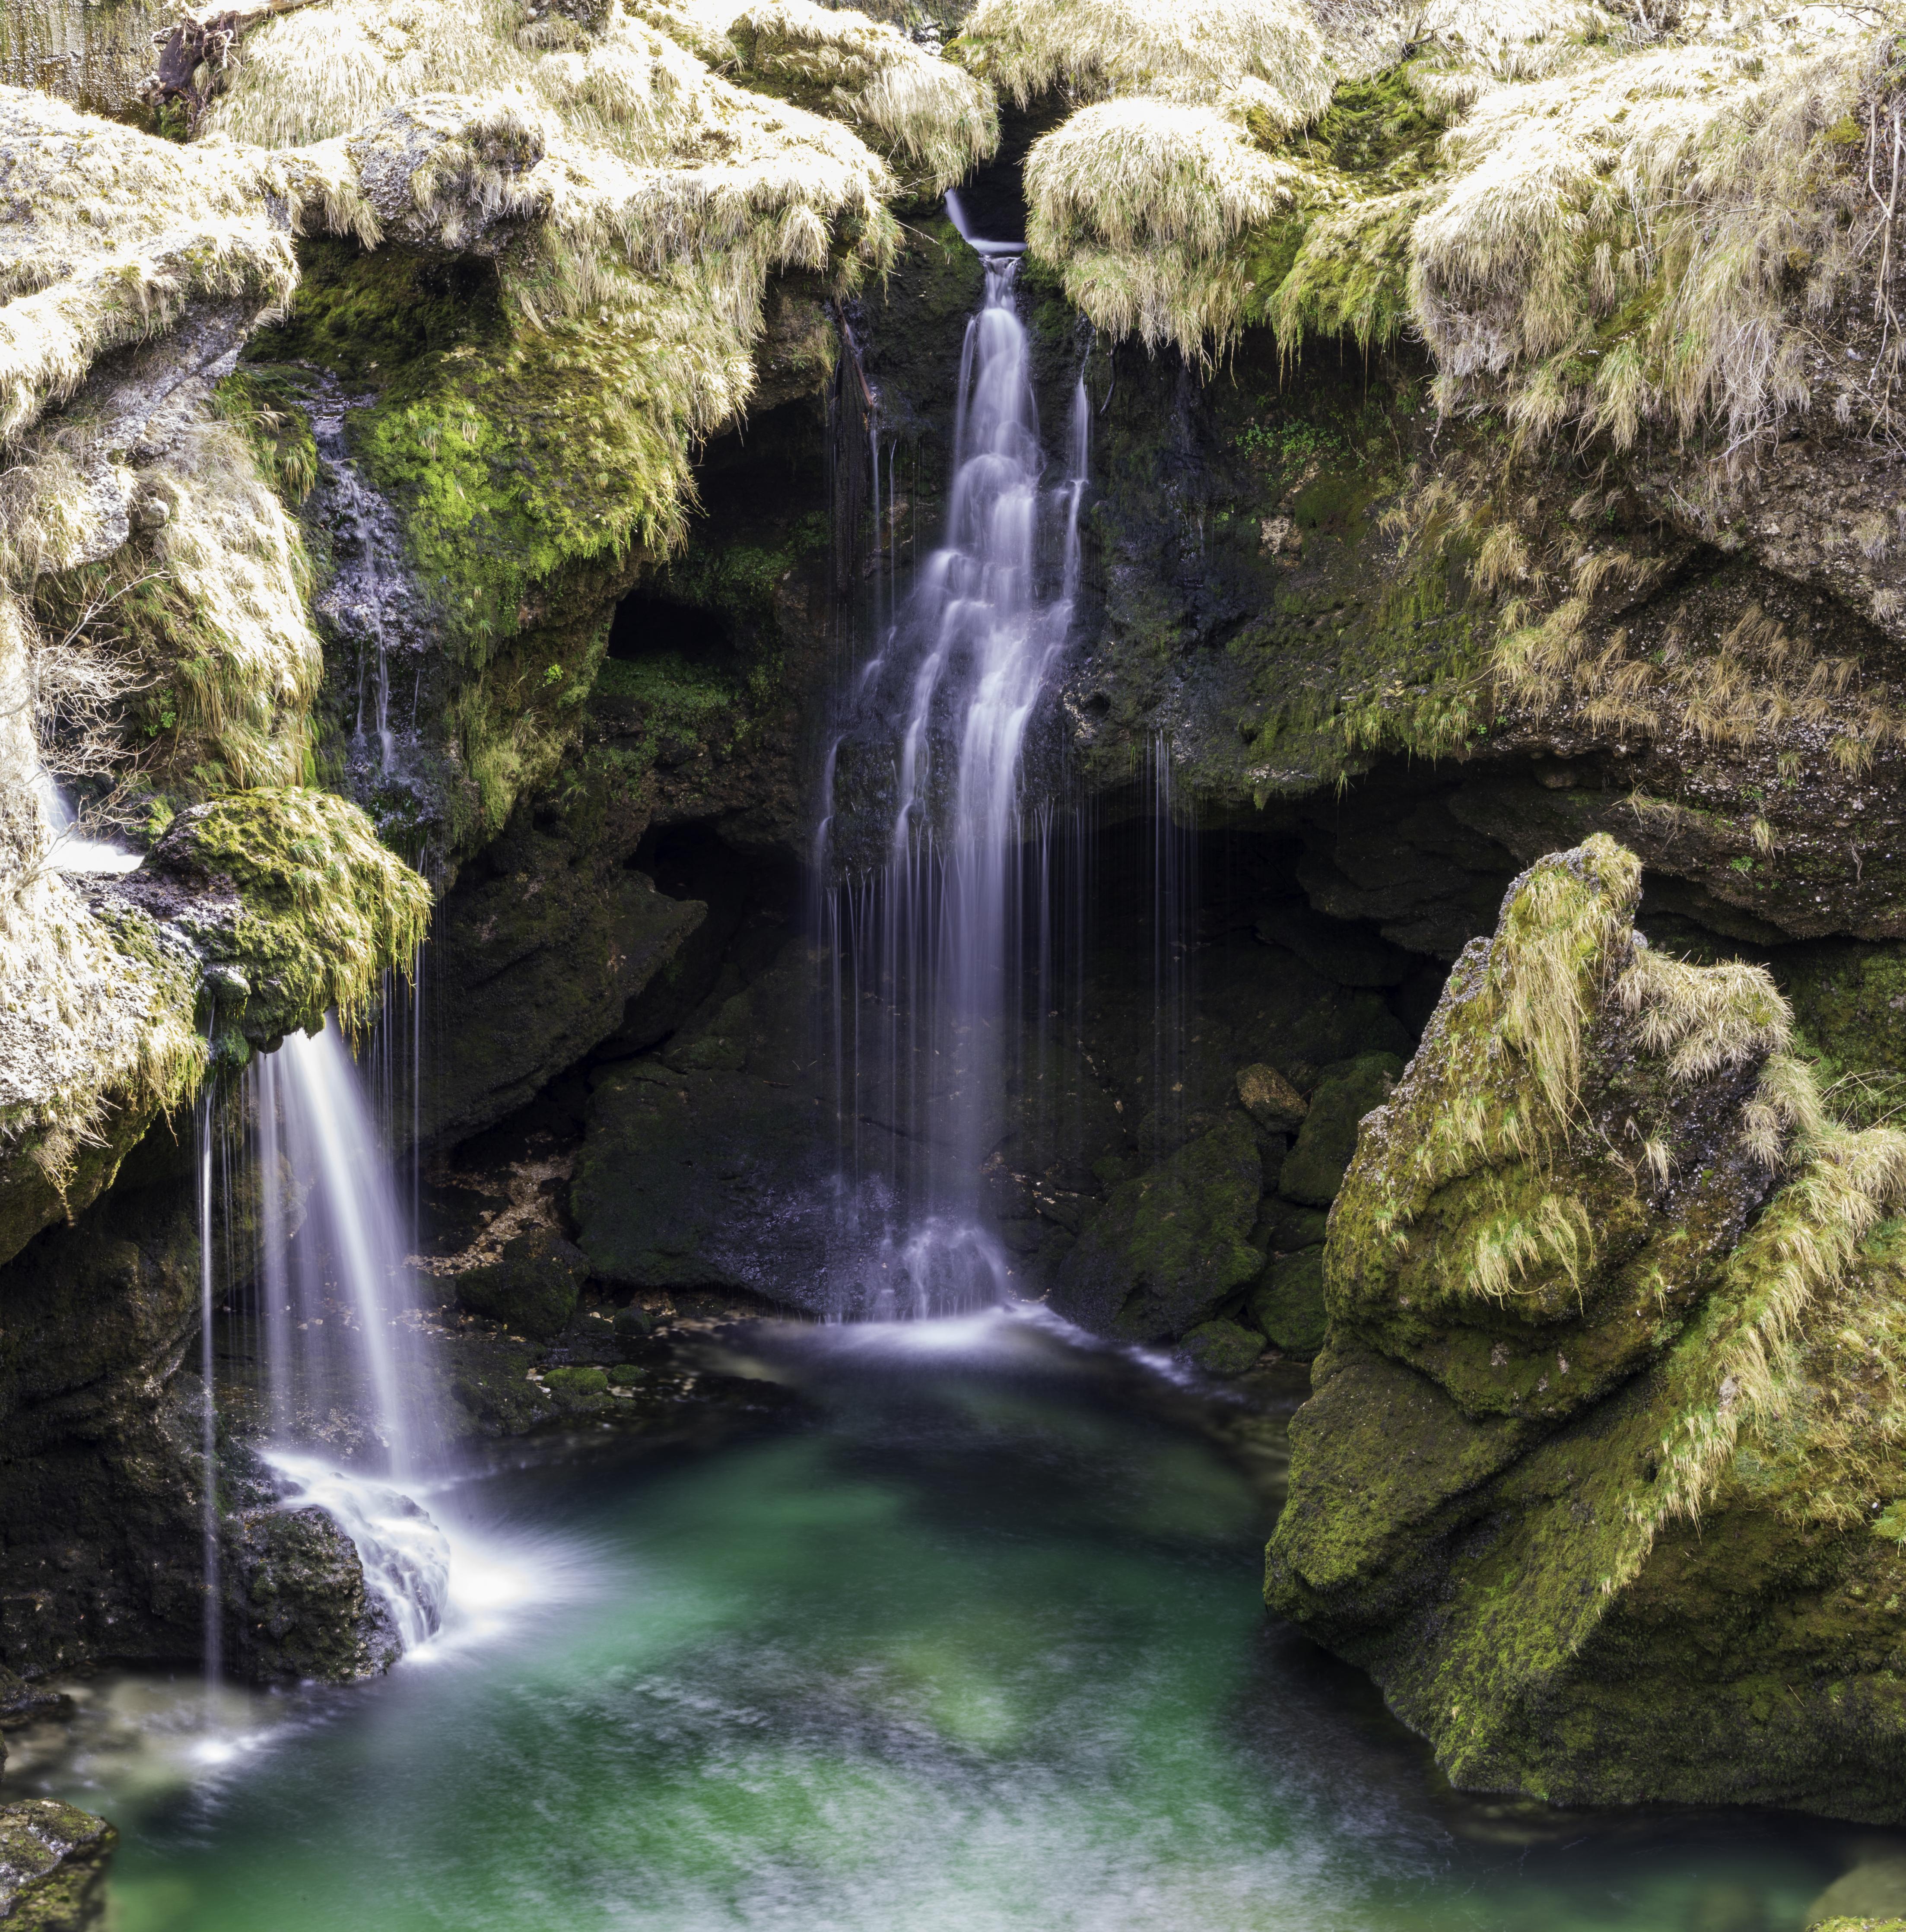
(1345, 1093)
(1288, 1304)
(53, 1863)
(579, 1391)
(1168, 1247)
(532, 1287)
(1221, 1348)
(1592, 1479)
(298, 908)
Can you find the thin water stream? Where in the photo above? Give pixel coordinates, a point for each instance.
(974, 1648)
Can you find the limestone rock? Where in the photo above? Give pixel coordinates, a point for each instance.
(1587, 1481)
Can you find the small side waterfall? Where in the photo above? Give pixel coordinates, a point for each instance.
(928, 933)
(338, 1333)
(72, 850)
(335, 1293)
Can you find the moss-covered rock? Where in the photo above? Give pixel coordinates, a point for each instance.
(1288, 1304)
(299, 911)
(1221, 1348)
(54, 1860)
(579, 1391)
(532, 1287)
(1592, 1480)
(1169, 1246)
(1344, 1094)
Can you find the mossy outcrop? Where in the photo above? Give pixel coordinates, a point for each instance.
(1596, 1476)
(301, 912)
(54, 1859)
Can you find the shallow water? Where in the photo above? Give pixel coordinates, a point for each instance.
(982, 1649)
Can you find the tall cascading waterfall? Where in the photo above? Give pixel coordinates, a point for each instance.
(929, 937)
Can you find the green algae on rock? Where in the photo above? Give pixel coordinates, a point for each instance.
(1594, 1476)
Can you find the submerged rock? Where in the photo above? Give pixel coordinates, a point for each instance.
(53, 1861)
(1594, 1479)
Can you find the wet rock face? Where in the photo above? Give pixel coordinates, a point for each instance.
(99, 1469)
(295, 1603)
(1589, 1480)
(535, 955)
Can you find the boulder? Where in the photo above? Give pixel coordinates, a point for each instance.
(1221, 1348)
(1345, 1093)
(1616, 1315)
(295, 1603)
(1288, 1304)
(1269, 1099)
(53, 1862)
(1168, 1247)
(532, 1288)
(578, 1390)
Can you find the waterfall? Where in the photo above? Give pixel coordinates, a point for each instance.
(335, 1295)
(72, 851)
(925, 920)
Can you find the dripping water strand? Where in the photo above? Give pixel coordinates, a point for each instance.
(213, 1634)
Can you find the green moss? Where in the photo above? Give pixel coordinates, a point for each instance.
(1289, 1304)
(536, 460)
(1327, 1138)
(1604, 1453)
(1222, 1348)
(323, 909)
(266, 407)
(1169, 1245)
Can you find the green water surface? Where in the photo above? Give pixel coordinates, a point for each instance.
(979, 1650)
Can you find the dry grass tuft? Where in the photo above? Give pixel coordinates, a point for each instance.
(1648, 235)
(1140, 200)
(1781, 1279)
(1261, 62)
